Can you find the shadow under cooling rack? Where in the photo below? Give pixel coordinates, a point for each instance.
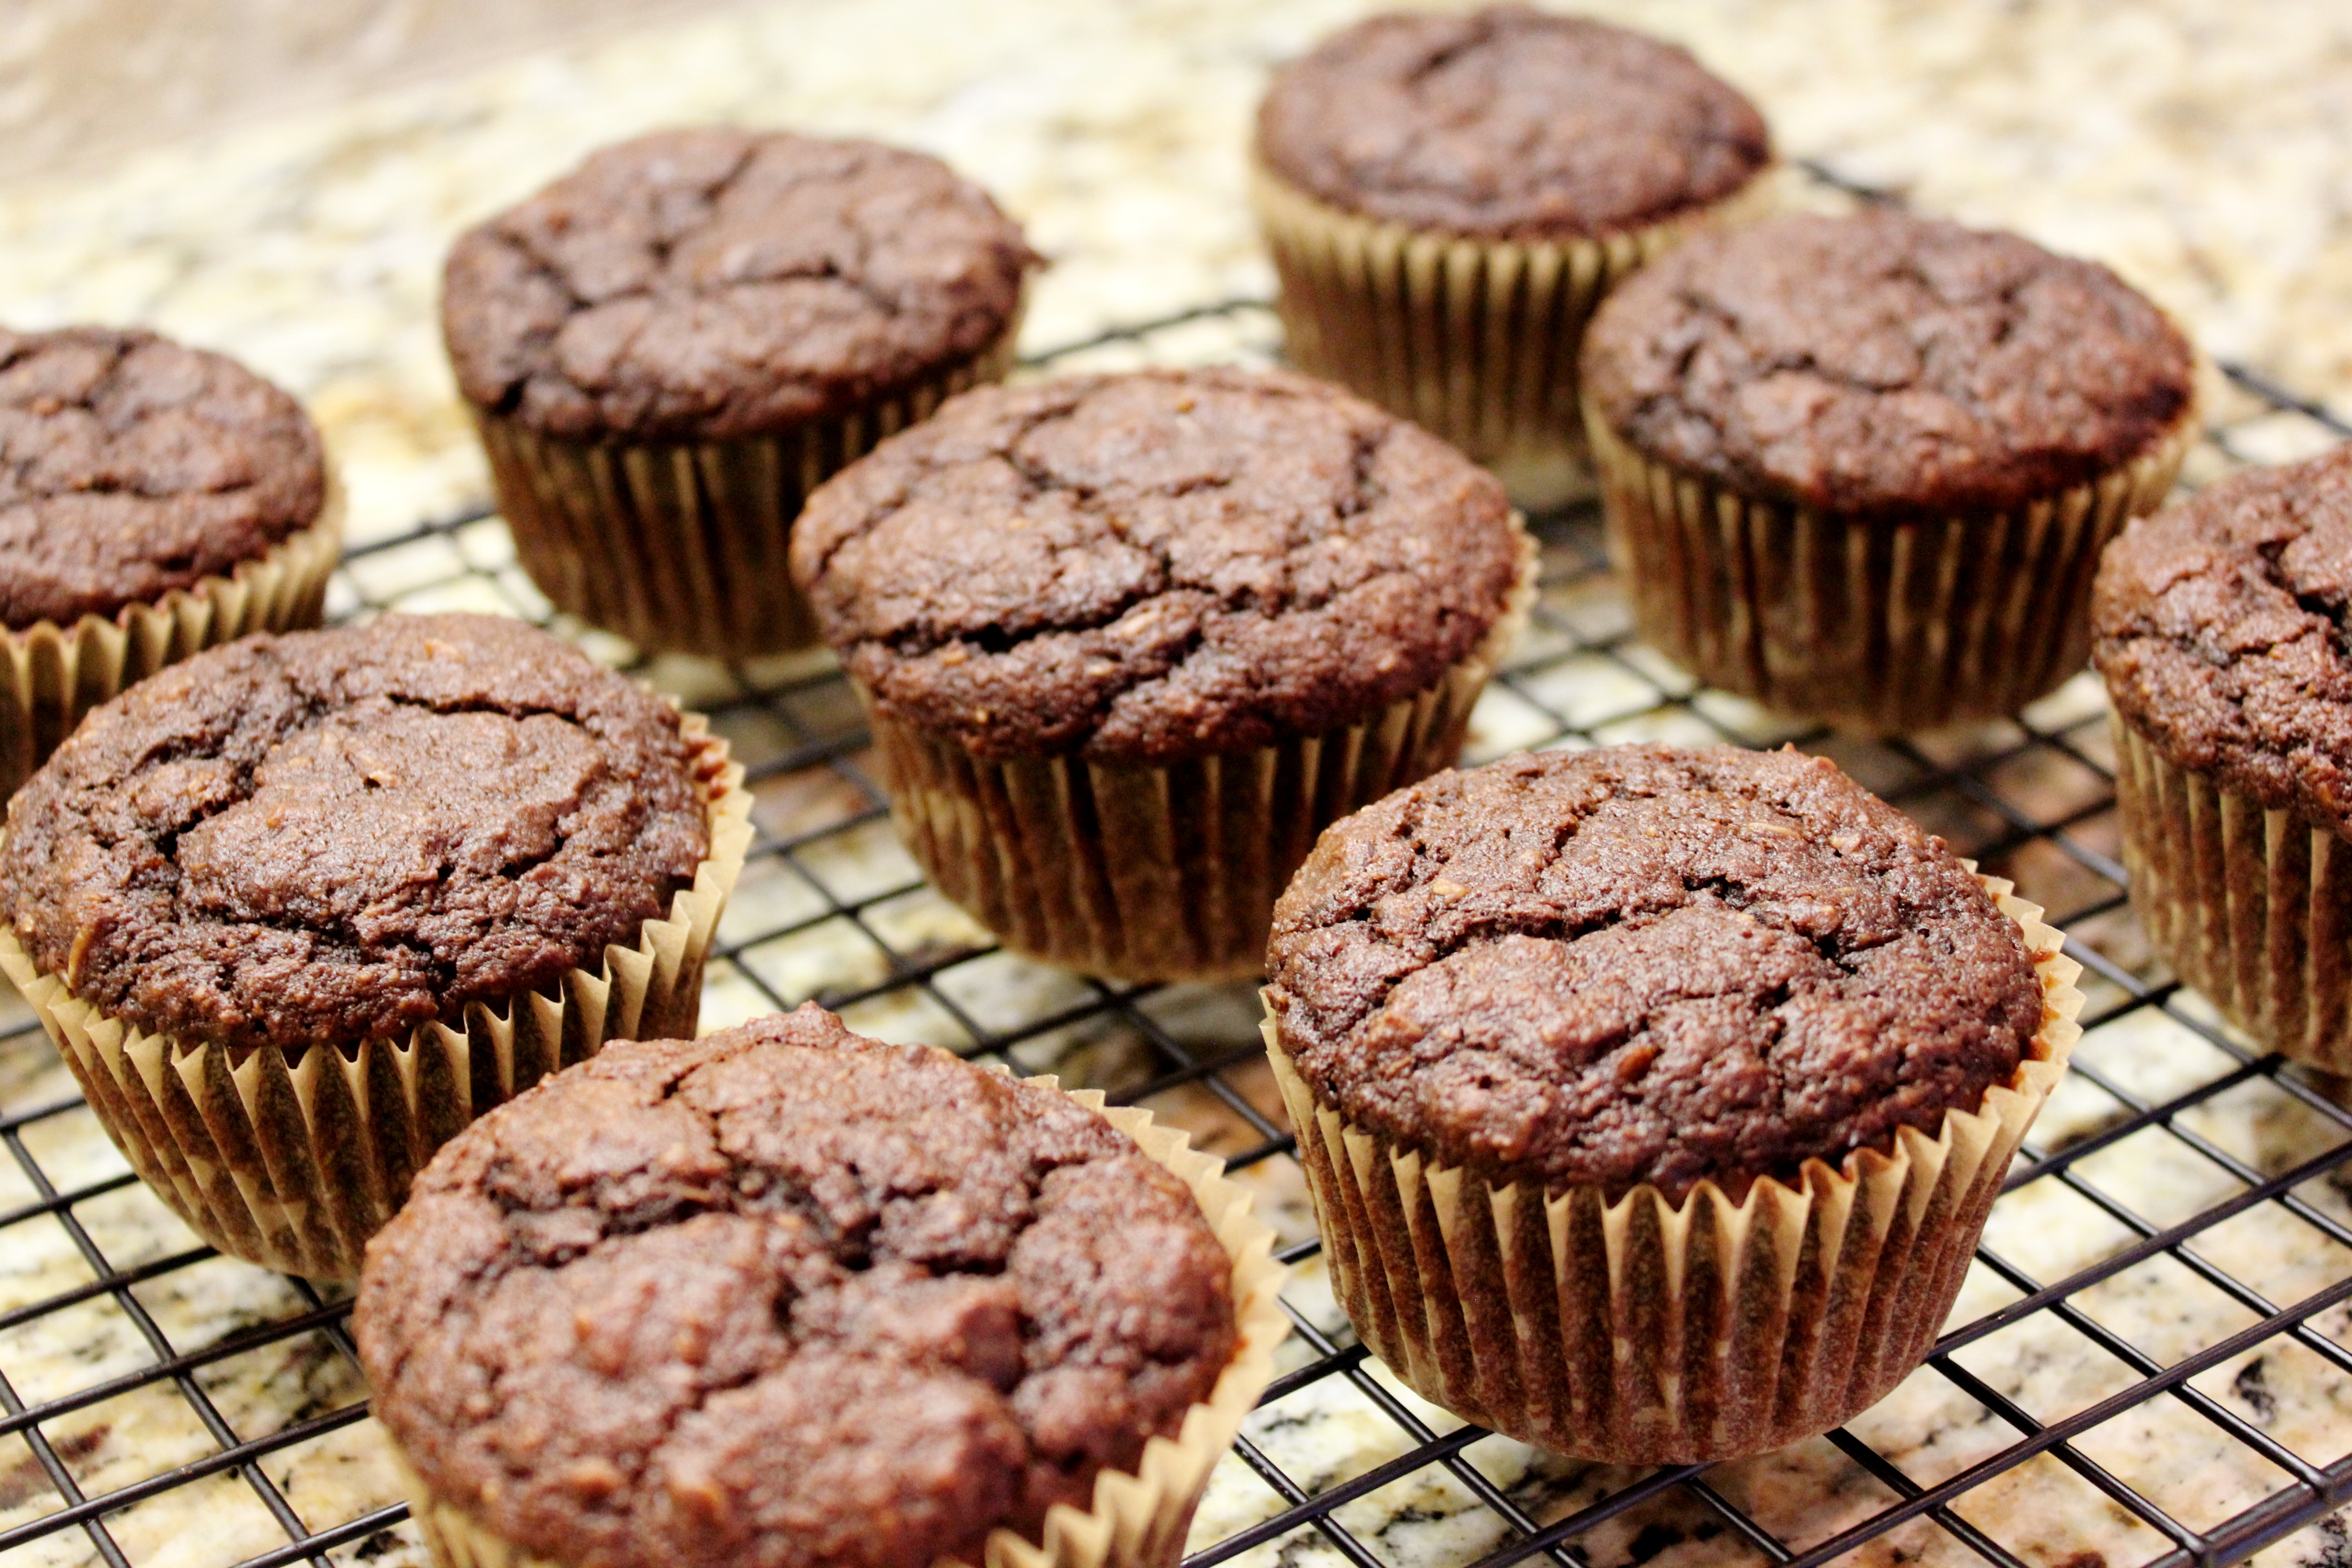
(2149, 1361)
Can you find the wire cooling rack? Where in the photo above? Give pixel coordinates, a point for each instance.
(2149, 1361)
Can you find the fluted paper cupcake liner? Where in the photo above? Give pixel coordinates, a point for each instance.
(294, 1164)
(1473, 339)
(1139, 1518)
(1883, 626)
(1640, 1331)
(51, 676)
(1165, 872)
(2250, 906)
(681, 547)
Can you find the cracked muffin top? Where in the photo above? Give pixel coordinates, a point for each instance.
(1884, 364)
(1645, 964)
(2223, 627)
(337, 836)
(1155, 565)
(131, 466)
(714, 284)
(784, 1297)
(1507, 124)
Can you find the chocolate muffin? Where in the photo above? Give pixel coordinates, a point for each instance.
(1702, 1066)
(1447, 196)
(667, 349)
(1128, 642)
(2220, 630)
(1860, 468)
(352, 887)
(785, 1296)
(154, 499)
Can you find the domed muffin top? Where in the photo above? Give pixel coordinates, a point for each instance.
(2223, 627)
(340, 835)
(1507, 124)
(131, 466)
(1155, 565)
(786, 1298)
(712, 284)
(1645, 964)
(1882, 364)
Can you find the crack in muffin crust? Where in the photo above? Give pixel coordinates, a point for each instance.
(1157, 565)
(713, 284)
(785, 1296)
(338, 835)
(1507, 124)
(2219, 626)
(1645, 964)
(131, 466)
(1884, 364)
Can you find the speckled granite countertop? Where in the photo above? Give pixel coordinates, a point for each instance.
(2198, 148)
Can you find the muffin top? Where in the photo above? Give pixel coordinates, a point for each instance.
(2219, 624)
(1884, 364)
(337, 836)
(1645, 964)
(712, 284)
(1151, 566)
(1507, 124)
(131, 466)
(784, 1297)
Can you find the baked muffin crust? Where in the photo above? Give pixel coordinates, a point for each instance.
(2220, 626)
(1507, 124)
(1884, 364)
(783, 1297)
(1157, 565)
(712, 284)
(1645, 964)
(131, 466)
(337, 836)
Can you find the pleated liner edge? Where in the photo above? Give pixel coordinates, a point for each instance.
(2248, 905)
(52, 675)
(1139, 1519)
(1641, 1331)
(1473, 339)
(682, 546)
(294, 1166)
(1887, 626)
(1170, 871)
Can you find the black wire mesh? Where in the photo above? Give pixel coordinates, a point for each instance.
(2149, 1361)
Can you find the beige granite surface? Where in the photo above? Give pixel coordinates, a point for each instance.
(84, 81)
(2199, 147)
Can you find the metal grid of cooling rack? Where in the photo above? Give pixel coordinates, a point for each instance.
(830, 909)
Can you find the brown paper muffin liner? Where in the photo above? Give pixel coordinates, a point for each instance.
(681, 547)
(1473, 339)
(1641, 1331)
(1883, 627)
(2250, 906)
(1138, 1520)
(51, 675)
(294, 1164)
(1141, 872)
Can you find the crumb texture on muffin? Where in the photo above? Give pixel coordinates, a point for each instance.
(1882, 362)
(784, 1296)
(714, 284)
(1645, 964)
(1507, 124)
(2223, 627)
(338, 835)
(1158, 565)
(131, 466)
